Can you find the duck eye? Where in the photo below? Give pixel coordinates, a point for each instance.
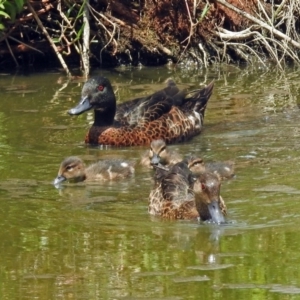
(203, 186)
(197, 162)
(69, 168)
(162, 149)
(100, 88)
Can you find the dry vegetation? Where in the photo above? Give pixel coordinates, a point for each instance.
(153, 32)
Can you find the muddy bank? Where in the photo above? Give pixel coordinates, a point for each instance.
(152, 33)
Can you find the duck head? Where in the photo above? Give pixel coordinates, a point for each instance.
(207, 197)
(97, 93)
(196, 165)
(72, 168)
(158, 153)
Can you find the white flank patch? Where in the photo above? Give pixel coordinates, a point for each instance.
(124, 164)
(192, 119)
(197, 116)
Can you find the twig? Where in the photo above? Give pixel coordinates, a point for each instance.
(229, 35)
(86, 40)
(115, 27)
(225, 44)
(205, 61)
(59, 56)
(261, 23)
(11, 53)
(70, 26)
(22, 43)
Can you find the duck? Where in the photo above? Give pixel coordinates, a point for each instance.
(170, 114)
(73, 169)
(179, 194)
(159, 153)
(223, 169)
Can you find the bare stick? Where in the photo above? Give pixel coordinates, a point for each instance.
(22, 43)
(261, 23)
(11, 53)
(59, 56)
(86, 40)
(246, 46)
(115, 28)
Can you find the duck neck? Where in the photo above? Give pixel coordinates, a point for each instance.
(104, 117)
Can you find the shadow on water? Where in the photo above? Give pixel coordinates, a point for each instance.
(97, 241)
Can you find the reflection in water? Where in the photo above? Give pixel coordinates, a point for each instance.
(98, 242)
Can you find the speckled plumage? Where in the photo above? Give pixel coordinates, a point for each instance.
(224, 169)
(179, 194)
(160, 153)
(167, 114)
(73, 168)
(173, 197)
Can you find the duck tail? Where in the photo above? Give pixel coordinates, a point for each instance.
(199, 99)
(202, 98)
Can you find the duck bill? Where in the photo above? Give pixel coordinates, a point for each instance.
(215, 212)
(81, 107)
(155, 160)
(59, 179)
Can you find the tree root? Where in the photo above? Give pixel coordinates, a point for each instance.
(277, 45)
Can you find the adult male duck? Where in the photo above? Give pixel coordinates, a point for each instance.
(169, 114)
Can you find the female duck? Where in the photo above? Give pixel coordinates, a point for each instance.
(167, 114)
(179, 194)
(72, 168)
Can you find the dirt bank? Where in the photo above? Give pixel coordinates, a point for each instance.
(153, 32)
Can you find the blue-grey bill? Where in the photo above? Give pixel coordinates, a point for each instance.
(58, 180)
(216, 213)
(81, 107)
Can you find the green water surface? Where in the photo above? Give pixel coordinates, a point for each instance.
(97, 241)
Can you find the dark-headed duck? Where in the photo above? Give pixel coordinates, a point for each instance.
(169, 114)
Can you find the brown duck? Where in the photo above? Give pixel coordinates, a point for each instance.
(73, 168)
(168, 114)
(179, 194)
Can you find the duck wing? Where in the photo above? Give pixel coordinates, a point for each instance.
(173, 197)
(177, 185)
(147, 109)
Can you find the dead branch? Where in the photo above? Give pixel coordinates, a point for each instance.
(86, 41)
(59, 56)
(11, 52)
(271, 29)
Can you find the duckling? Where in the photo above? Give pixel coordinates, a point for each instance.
(160, 153)
(179, 194)
(224, 170)
(168, 114)
(73, 168)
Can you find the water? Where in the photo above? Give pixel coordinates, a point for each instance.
(97, 241)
